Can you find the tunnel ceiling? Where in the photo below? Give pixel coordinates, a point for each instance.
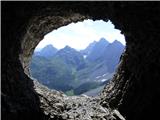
(134, 89)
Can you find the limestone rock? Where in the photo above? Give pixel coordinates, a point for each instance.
(55, 103)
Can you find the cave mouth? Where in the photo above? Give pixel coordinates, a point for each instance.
(58, 62)
(135, 89)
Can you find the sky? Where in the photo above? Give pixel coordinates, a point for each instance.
(79, 35)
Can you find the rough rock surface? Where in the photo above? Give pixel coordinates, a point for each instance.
(134, 91)
(56, 105)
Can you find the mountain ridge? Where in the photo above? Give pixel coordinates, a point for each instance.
(47, 51)
(75, 71)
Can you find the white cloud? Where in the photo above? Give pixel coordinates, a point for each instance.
(79, 35)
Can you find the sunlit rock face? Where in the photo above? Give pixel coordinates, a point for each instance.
(134, 90)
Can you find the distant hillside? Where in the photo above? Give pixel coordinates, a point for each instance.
(88, 49)
(69, 71)
(112, 54)
(97, 50)
(94, 92)
(102, 61)
(71, 57)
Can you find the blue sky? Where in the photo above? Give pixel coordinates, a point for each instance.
(79, 35)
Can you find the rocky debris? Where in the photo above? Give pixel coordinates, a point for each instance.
(118, 115)
(57, 105)
(52, 101)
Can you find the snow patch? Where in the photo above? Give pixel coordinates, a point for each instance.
(84, 56)
(98, 77)
(103, 80)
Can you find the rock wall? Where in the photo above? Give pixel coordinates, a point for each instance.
(135, 86)
(134, 90)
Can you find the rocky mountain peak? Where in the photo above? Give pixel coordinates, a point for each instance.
(103, 41)
(67, 47)
(116, 42)
(47, 51)
(98, 49)
(48, 46)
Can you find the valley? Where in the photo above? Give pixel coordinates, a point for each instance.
(77, 72)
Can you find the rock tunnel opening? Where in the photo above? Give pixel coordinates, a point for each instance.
(36, 29)
(67, 59)
(134, 90)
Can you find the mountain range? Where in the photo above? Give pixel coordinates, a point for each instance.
(76, 72)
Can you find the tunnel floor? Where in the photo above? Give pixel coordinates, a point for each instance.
(57, 104)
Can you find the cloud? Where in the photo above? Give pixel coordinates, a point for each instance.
(79, 35)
